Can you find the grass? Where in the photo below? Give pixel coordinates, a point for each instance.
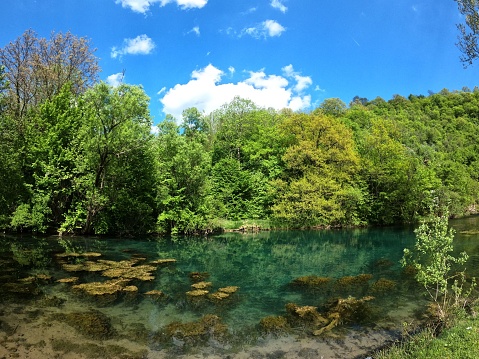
(457, 342)
(231, 225)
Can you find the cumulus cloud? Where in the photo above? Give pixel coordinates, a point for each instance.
(267, 28)
(116, 79)
(140, 45)
(206, 92)
(277, 4)
(142, 6)
(302, 82)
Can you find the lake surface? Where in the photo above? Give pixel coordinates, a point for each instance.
(235, 295)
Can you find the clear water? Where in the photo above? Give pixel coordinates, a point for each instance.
(34, 321)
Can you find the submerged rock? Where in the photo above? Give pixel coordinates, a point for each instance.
(274, 324)
(199, 276)
(197, 293)
(230, 289)
(383, 286)
(311, 281)
(68, 280)
(197, 331)
(164, 261)
(93, 324)
(142, 272)
(349, 281)
(201, 285)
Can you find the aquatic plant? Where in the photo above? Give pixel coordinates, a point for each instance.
(198, 331)
(349, 281)
(383, 263)
(164, 261)
(142, 272)
(218, 296)
(230, 289)
(103, 292)
(383, 285)
(304, 315)
(68, 280)
(199, 276)
(274, 324)
(197, 293)
(93, 324)
(311, 281)
(155, 295)
(201, 285)
(346, 310)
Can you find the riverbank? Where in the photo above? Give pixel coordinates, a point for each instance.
(458, 341)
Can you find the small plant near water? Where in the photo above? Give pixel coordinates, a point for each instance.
(433, 261)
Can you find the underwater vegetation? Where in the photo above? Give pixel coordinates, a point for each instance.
(383, 285)
(92, 324)
(194, 332)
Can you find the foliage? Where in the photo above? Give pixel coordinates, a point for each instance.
(459, 341)
(79, 157)
(469, 31)
(320, 163)
(183, 165)
(433, 260)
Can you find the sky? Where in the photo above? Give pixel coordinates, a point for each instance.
(277, 53)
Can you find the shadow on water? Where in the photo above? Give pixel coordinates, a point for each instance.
(331, 293)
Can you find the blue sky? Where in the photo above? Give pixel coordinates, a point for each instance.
(278, 53)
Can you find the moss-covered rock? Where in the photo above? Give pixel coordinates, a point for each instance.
(196, 277)
(201, 285)
(383, 286)
(198, 331)
(311, 281)
(274, 324)
(93, 324)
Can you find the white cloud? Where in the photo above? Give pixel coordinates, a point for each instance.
(267, 28)
(116, 79)
(273, 28)
(186, 4)
(196, 30)
(140, 45)
(142, 6)
(302, 82)
(206, 92)
(277, 4)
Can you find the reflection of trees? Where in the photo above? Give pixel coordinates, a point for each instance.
(36, 254)
(269, 260)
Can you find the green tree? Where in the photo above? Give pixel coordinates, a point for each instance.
(12, 187)
(318, 186)
(469, 32)
(434, 263)
(50, 161)
(115, 180)
(183, 166)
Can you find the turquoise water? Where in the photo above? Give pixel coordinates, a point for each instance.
(262, 265)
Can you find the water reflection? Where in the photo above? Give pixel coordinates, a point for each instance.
(163, 298)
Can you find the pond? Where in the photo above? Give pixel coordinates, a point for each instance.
(289, 294)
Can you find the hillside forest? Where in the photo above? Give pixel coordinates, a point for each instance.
(78, 156)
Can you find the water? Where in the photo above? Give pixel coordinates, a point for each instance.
(41, 317)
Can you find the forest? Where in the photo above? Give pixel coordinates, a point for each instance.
(79, 156)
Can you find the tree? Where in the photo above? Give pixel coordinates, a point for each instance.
(433, 262)
(37, 68)
(317, 186)
(183, 165)
(115, 174)
(469, 32)
(12, 187)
